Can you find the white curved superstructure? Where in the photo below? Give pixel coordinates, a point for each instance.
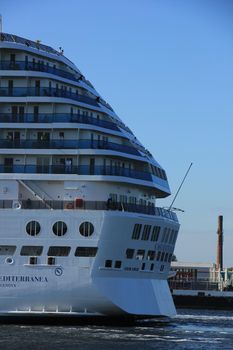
(80, 230)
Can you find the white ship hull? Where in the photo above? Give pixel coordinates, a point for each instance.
(83, 286)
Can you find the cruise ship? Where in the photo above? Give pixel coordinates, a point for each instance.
(81, 233)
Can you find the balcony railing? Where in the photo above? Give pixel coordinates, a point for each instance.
(55, 118)
(89, 205)
(46, 92)
(78, 170)
(68, 144)
(40, 67)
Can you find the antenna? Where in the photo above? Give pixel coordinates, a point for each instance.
(0, 23)
(180, 186)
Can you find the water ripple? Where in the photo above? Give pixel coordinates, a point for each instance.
(194, 330)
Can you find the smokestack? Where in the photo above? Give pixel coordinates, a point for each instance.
(220, 243)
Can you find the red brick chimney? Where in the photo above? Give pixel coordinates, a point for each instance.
(220, 243)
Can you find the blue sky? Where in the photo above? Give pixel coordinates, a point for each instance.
(166, 67)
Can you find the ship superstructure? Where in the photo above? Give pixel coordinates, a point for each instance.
(80, 230)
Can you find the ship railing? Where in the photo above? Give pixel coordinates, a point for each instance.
(27, 42)
(55, 118)
(36, 45)
(68, 144)
(80, 204)
(41, 67)
(77, 170)
(46, 92)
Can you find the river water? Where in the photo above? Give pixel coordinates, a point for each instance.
(190, 329)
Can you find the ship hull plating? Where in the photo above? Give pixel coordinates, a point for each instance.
(76, 285)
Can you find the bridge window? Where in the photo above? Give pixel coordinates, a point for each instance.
(155, 233)
(146, 232)
(136, 231)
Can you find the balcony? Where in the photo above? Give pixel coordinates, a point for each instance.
(46, 92)
(56, 118)
(68, 144)
(77, 170)
(41, 67)
(90, 205)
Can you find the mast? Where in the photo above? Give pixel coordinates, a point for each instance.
(177, 192)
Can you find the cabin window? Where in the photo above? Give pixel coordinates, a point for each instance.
(129, 253)
(59, 228)
(12, 58)
(51, 260)
(28, 250)
(155, 233)
(108, 263)
(136, 231)
(113, 197)
(7, 249)
(86, 229)
(171, 236)
(142, 202)
(151, 255)
(146, 232)
(175, 236)
(140, 254)
(164, 234)
(123, 198)
(33, 228)
(59, 251)
(33, 260)
(117, 264)
(167, 235)
(132, 200)
(86, 251)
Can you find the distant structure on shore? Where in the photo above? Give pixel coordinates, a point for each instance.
(203, 284)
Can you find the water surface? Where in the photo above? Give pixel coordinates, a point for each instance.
(190, 329)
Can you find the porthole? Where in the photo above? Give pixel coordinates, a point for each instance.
(59, 228)
(33, 228)
(9, 260)
(86, 229)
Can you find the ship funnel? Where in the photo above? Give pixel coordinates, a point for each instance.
(220, 243)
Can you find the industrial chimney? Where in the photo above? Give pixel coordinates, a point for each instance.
(220, 243)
